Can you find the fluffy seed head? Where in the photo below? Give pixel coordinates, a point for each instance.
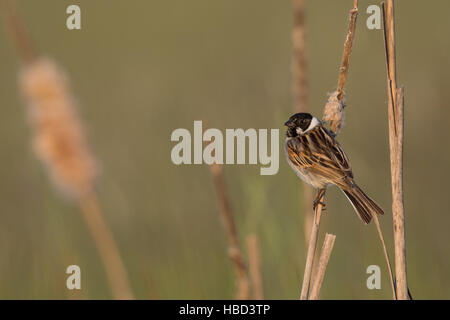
(58, 138)
(334, 112)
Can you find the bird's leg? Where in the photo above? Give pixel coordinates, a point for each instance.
(317, 201)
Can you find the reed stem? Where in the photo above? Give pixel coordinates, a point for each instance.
(300, 95)
(312, 244)
(347, 50)
(234, 250)
(254, 262)
(106, 246)
(395, 115)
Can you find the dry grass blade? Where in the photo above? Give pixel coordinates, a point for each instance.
(234, 250)
(389, 42)
(395, 115)
(386, 256)
(254, 262)
(325, 254)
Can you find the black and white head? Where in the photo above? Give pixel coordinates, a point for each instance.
(300, 123)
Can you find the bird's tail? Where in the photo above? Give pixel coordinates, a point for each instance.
(363, 205)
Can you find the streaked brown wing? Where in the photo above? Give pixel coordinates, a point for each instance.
(319, 153)
(298, 157)
(335, 152)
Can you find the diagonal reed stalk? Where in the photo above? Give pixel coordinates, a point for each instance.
(59, 142)
(234, 250)
(325, 254)
(395, 115)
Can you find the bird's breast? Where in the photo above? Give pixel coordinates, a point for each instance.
(303, 172)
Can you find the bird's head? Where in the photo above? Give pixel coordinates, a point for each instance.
(300, 123)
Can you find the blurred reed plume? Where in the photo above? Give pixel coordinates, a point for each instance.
(58, 138)
(59, 142)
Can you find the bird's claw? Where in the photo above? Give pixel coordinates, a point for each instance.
(317, 202)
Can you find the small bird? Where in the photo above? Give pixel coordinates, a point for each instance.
(318, 159)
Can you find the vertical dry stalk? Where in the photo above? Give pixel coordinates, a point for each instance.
(334, 109)
(300, 93)
(395, 115)
(312, 244)
(254, 261)
(347, 50)
(234, 250)
(327, 247)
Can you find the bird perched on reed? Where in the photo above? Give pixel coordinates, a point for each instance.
(318, 159)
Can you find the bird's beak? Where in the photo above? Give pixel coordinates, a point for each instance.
(288, 123)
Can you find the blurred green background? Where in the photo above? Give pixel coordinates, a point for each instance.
(140, 69)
